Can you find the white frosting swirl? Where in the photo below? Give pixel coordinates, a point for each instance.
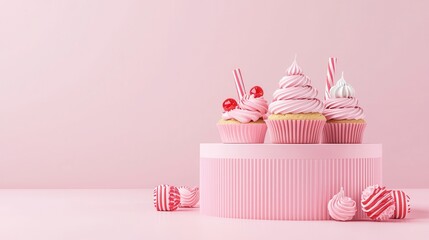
(341, 208)
(342, 89)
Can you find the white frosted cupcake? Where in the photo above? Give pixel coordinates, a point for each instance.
(345, 117)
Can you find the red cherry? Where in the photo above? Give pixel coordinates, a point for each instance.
(229, 104)
(257, 91)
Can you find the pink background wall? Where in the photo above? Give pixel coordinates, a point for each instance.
(120, 93)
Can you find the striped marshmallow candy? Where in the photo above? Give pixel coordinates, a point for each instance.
(378, 203)
(189, 197)
(166, 198)
(402, 204)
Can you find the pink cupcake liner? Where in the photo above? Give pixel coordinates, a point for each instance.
(242, 133)
(343, 132)
(295, 131)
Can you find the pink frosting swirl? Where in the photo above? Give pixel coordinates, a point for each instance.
(343, 108)
(341, 208)
(295, 95)
(342, 105)
(249, 109)
(294, 81)
(249, 102)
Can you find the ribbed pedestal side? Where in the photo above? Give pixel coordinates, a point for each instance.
(290, 182)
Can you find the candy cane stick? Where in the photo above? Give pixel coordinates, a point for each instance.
(239, 83)
(330, 74)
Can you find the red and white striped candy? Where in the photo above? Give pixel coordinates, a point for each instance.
(377, 202)
(166, 198)
(402, 204)
(189, 197)
(330, 74)
(239, 83)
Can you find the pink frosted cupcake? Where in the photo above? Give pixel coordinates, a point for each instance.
(244, 122)
(296, 112)
(345, 117)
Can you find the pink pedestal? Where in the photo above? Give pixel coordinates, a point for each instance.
(282, 181)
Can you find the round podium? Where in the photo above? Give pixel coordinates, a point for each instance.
(284, 181)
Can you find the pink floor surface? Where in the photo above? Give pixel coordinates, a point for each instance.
(129, 214)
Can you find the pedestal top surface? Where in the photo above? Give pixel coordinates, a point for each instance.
(304, 151)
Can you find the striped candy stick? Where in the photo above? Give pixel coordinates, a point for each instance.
(330, 75)
(402, 204)
(239, 83)
(166, 198)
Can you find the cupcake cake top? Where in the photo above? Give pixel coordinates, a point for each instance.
(250, 108)
(342, 104)
(295, 94)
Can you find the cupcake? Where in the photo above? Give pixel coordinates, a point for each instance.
(244, 122)
(295, 113)
(345, 118)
